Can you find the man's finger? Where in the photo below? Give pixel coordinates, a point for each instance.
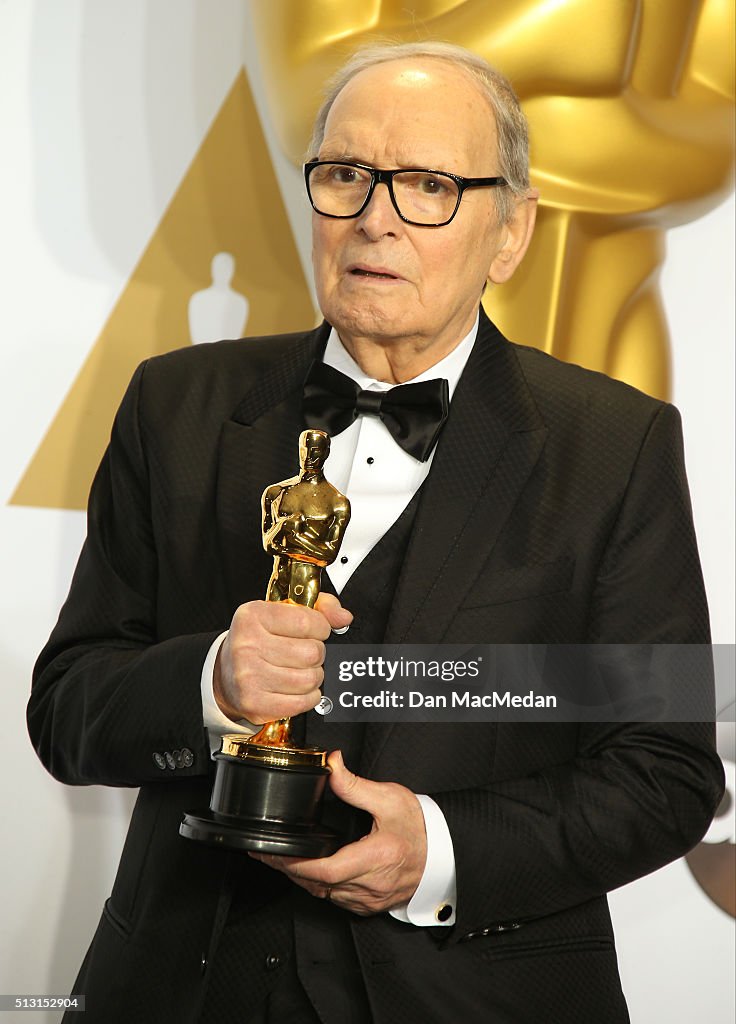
(338, 617)
(291, 652)
(353, 789)
(351, 862)
(293, 620)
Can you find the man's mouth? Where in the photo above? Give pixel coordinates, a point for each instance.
(377, 273)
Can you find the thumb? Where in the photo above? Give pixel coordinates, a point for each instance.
(337, 616)
(353, 789)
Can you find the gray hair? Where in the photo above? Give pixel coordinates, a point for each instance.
(511, 126)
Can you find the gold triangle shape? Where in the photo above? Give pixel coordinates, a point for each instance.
(228, 201)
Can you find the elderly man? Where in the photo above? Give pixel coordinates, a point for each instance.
(530, 502)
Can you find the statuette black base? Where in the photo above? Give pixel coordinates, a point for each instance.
(266, 799)
(260, 836)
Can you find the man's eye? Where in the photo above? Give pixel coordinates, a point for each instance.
(432, 185)
(344, 175)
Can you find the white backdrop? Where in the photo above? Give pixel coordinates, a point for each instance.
(104, 104)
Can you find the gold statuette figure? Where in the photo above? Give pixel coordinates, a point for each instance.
(304, 520)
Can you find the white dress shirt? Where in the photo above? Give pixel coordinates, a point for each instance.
(380, 479)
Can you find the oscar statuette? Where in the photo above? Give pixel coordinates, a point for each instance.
(267, 794)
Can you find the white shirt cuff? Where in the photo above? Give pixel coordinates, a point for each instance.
(216, 723)
(434, 901)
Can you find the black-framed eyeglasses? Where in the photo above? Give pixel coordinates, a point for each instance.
(342, 189)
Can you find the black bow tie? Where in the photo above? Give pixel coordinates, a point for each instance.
(413, 413)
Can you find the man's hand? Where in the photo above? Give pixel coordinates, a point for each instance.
(270, 664)
(383, 869)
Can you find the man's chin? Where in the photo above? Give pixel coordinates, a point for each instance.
(373, 323)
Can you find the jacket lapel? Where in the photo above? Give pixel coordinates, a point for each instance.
(486, 453)
(258, 447)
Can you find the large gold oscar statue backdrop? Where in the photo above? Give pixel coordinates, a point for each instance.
(630, 104)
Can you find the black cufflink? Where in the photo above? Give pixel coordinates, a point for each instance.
(444, 912)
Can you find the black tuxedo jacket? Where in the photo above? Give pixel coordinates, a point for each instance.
(556, 511)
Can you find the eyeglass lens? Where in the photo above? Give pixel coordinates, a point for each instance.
(425, 197)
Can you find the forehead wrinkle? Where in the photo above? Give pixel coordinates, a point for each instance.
(388, 134)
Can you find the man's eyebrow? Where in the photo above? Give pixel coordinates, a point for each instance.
(340, 156)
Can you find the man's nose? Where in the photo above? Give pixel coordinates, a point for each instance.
(380, 216)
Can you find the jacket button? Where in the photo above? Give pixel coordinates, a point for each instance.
(170, 760)
(159, 760)
(273, 962)
(187, 758)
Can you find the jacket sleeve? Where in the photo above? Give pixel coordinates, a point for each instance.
(108, 693)
(632, 796)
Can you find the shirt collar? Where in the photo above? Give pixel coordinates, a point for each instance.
(451, 367)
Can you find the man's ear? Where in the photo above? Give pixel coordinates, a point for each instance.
(516, 236)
